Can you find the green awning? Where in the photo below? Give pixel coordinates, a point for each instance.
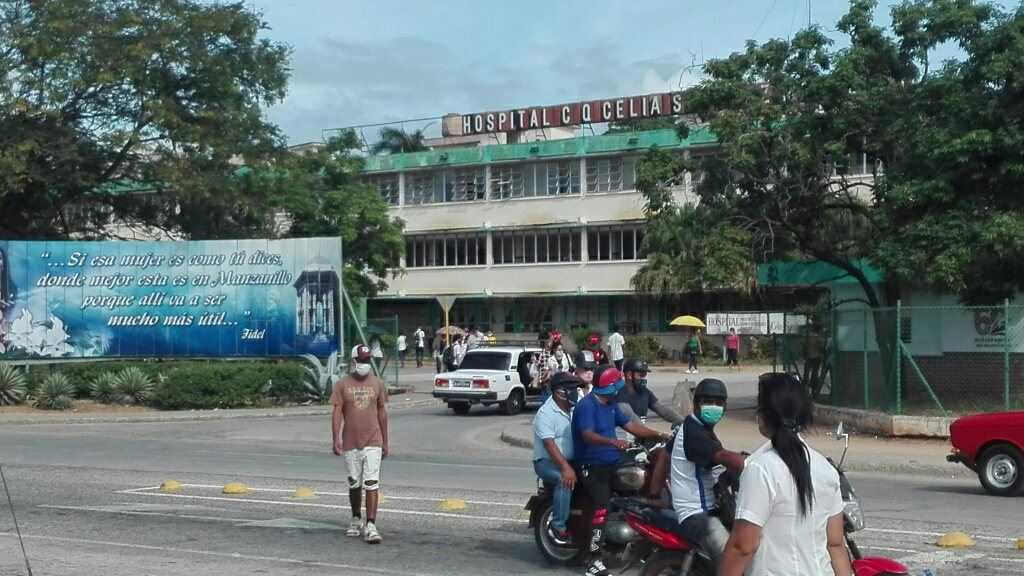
(813, 273)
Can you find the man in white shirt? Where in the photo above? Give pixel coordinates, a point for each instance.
(616, 347)
(419, 340)
(402, 348)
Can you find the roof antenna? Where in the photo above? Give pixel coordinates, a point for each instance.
(15, 518)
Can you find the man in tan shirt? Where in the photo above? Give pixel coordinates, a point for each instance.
(360, 399)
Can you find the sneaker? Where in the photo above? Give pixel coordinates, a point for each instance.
(354, 527)
(597, 569)
(372, 536)
(560, 537)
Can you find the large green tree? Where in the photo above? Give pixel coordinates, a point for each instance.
(321, 195)
(396, 141)
(103, 97)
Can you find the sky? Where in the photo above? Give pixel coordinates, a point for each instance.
(358, 62)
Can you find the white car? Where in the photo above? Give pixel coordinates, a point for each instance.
(488, 375)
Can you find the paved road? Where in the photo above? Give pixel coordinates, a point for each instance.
(85, 499)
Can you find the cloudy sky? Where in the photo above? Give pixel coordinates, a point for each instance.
(359, 62)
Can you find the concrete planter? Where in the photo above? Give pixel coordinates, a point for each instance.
(884, 424)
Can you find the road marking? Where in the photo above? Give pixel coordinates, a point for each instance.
(231, 555)
(342, 494)
(917, 533)
(332, 507)
(133, 510)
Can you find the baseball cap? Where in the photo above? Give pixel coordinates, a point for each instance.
(607, 380)
(361, 354)
(593, 339)
(565, 380)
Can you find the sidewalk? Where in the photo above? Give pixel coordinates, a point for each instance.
(398, 402)
(738, 431)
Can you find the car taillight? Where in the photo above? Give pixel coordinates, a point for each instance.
(481, 384)
(440, 383)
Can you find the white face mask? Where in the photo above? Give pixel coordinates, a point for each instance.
(362, 369)
(559, 354)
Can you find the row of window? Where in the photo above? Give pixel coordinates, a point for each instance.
(507, 181)
(604, 244)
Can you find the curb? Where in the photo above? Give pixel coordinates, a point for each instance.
(196, 416)
(884, 424)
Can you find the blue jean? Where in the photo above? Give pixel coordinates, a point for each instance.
(550, 473)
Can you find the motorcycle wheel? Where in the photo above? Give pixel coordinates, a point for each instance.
(670, 562)
(553, 553)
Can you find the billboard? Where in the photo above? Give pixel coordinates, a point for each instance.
(210, 298)
(754, 323)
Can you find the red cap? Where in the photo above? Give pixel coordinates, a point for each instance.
(362, 354)
(593, 339)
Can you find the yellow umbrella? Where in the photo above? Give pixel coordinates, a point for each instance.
(691, 321)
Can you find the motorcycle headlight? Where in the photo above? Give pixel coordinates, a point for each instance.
(853, 515)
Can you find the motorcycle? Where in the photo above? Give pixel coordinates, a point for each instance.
(671, 554)
(623, 545)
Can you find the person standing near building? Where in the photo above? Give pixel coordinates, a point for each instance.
(616, 347)
(693, 349)
(594, 346)
(360, 400)
(419, 341)
(732, 349)
(473, 338)
(402, 348)
(459, 351)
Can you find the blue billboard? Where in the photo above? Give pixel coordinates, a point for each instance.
(211, 298)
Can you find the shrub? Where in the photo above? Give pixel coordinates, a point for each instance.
(648, 348)
(12, 385)
(226, 385)
(55, 393)
(133, 386)
(580, 335)
(104, 388)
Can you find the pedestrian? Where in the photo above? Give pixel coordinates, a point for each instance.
(419, 341)
(616, 347)
(789, 513)
(693, 349)
(594, 346)
(402, 347)
(458, 351)
(377, 351)
(473, 338)
(559, 361)
(543, 337)
(732, 349)
(555, 334)
(360, 400)
(437, 348)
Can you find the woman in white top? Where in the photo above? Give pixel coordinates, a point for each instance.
(789, 515)
(559, 360)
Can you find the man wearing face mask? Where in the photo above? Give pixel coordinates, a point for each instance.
(553, 450)
(360, 400)
(636, 399)
(584, 369)
(698, 458)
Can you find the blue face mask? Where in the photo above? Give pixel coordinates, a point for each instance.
(640, 384)
(711, 415)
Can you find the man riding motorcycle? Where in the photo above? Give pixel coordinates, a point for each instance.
(698, 458)
(636, 399)
(596, 449)
(553, 450)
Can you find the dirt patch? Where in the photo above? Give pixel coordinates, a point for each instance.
(80, 407)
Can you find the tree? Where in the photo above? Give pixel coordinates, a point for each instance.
(321, 195)
(396, 141)
(103, 97)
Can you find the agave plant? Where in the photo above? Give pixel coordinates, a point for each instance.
(133, 385)
(12, 385)
(104, 388)
(55, 393)
(320, 378)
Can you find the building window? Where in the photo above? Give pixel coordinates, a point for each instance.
(537, 245)
(612, 243)
(419, 188)
(448, 250)
(507, 182)
(387, 186)
(604, 175)
(536, 316)
(465, 185)
(563, 177)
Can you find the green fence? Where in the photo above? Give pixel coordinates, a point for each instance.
(926, 360)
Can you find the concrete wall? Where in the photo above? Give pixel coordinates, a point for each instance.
(507, 279)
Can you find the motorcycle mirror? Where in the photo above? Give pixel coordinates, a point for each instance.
(840, 431)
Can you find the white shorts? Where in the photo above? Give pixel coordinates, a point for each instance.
(363, 466)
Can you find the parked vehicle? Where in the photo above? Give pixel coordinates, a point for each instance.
(488, 375)
(992, 445)
(673, 555)
(625, 547)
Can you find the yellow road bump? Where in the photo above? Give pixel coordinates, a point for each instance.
(170, 486)
(1020, 544)
(451, 504)
(304, 494)
(234, 488)
(955, 540)
(527, 513)
(380, 497)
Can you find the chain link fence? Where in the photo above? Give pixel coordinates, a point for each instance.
(930, 361)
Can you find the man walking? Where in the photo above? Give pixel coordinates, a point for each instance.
(360, 400)
(419, 340)
(616, 347)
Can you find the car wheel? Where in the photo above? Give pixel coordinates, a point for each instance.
(460, 408)
(1001, 470)
(514, 404)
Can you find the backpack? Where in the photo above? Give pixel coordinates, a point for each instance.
(448, 356)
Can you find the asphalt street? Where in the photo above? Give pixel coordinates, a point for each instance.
(86, 499)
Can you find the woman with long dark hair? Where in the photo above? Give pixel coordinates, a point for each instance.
(789, 515)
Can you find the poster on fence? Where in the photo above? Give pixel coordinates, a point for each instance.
(206, 298)
(754, 323)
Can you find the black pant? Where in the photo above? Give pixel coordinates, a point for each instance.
(596, 479)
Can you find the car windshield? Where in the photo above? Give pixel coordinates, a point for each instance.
(486, 361)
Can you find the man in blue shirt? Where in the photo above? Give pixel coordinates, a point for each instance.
(596, 450)
(553, 450)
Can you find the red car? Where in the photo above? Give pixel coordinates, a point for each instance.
(993, 446)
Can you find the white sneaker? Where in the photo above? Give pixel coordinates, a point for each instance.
(372, 536)
(696, 371)
(354, 527)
